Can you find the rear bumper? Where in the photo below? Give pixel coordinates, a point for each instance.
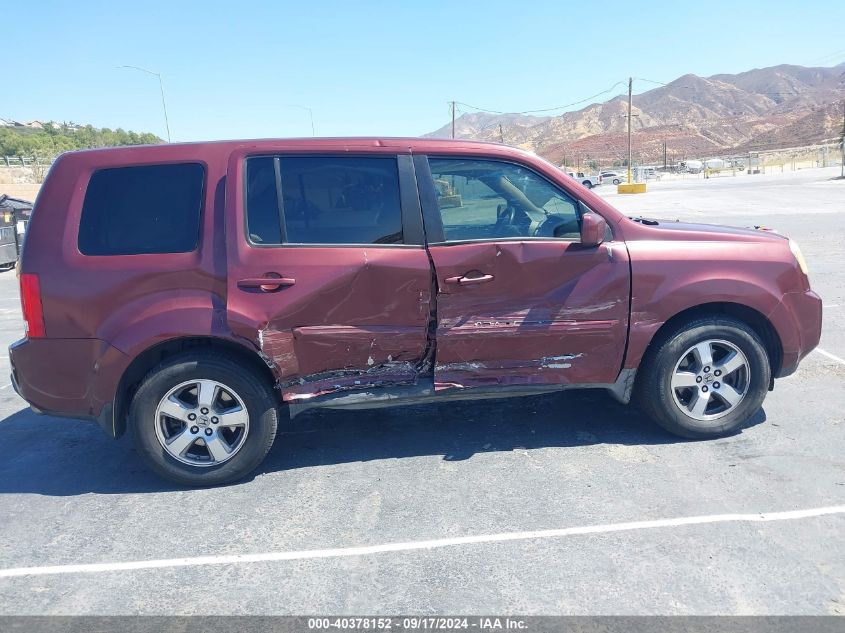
(73, 378)
(798, 321)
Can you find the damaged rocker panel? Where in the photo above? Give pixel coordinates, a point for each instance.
(313, 361)
(423, 391)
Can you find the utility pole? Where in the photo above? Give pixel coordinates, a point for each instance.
(664, 155)
(630, 155)
(501, 134)
(453, 119)
(842, 166)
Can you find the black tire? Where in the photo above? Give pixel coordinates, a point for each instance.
(254, 389)
(616, 181)
(587, 184)
(653, 388)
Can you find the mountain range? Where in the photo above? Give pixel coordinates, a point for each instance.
(697, 117)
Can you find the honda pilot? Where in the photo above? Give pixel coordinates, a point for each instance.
(195, 294)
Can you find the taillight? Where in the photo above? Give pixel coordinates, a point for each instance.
(33, 313)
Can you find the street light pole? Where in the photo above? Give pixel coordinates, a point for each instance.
(630, 154)
(161, 87)
(310, 114)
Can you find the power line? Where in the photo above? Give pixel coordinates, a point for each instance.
(753, 92)
(651, 81)
(568, 105)
(829, 56)
(613, 87)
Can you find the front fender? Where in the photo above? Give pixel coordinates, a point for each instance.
(650, 312)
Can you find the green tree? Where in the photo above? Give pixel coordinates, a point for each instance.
(52, 140)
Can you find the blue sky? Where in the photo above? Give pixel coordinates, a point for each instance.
(232, 69)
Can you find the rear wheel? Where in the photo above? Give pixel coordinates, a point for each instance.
(587, 184)
(202, 419)
(706, 378)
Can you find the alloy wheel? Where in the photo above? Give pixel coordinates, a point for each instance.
(201, 422)
(710, 379)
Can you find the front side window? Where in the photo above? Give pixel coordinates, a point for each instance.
(487, 199)
(323, 200)
(143, 209)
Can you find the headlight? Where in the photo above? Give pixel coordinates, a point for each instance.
(799, 256)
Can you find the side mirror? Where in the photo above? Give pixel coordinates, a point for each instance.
(593, 228)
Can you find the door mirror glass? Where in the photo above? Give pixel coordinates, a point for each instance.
(593, 228)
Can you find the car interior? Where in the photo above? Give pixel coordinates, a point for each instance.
(490, 199)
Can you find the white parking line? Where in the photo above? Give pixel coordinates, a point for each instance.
(830, 356)
(340, 552)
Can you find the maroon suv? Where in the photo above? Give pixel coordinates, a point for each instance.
(191, 292)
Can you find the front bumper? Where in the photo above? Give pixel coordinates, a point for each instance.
(798, 321)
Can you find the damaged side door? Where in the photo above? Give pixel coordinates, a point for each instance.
(520, 301)
(327, 273)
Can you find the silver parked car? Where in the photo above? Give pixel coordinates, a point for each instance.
(614, 177)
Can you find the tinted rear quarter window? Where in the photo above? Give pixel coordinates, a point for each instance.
(144, 209)
(324, 200)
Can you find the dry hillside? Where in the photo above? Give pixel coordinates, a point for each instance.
(765, 108)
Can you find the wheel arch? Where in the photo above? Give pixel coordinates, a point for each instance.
(748, 315)
(156, 354)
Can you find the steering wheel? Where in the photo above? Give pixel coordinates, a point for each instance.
(505, 215)
(510, 219)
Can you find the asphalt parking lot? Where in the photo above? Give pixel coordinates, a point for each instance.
(505, 472)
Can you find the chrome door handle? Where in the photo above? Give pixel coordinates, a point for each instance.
(267, 283)
(468, 281)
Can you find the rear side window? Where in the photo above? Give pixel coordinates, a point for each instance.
(323, 200)
(145, 209)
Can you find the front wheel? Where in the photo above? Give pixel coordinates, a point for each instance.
(202, 419)
(706, 378)
(616, 181)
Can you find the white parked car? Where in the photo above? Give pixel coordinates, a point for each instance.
(614, 177)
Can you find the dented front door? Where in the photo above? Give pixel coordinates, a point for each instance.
(511, 310)
(327, 275)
